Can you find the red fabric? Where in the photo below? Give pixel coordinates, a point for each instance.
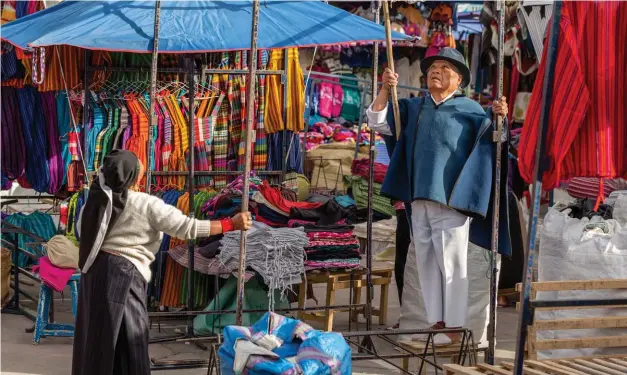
(588, 120)
(361, 168)
(274, 197)
(227, 225)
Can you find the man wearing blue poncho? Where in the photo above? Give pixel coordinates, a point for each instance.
(442, 167)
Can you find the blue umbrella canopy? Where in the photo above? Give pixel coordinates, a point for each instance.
(190, 26)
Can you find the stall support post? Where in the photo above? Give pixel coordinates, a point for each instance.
(498, 133)
(525, 314)
(367, 342)
(310, 90)
(190, 191)
(284, 82)
(153, 88)
(250, 101)
(85, 145)
(362, 106)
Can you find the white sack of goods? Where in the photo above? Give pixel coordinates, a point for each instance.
(583, 249)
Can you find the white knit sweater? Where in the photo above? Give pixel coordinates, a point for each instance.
(138, 231)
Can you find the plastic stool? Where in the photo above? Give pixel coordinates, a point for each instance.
(43, 327)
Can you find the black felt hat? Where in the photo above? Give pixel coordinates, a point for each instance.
(454, 57)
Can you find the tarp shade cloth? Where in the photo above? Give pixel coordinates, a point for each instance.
(190, 26)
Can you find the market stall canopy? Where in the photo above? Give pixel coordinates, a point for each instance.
(190, 26)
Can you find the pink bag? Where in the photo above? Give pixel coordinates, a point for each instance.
(53, 276)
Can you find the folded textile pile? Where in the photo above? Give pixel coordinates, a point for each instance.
(361, 168)
(359, 189)
(331, 247)
(272, 206)
(276, 254)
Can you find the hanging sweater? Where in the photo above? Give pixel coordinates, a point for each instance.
(138, 232)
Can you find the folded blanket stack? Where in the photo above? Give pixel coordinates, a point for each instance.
(331, 247)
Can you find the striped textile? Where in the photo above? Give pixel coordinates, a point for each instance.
(97, 122)
(73, 145)
(55, 157)
(589, 187)
(535, 19)
(71, 64)
(159, 265)
(260, 157)
(98, 150)
(13, 152)
(35, 138)
(295, 98)
(235, 116)
(221, 136)
(587, 134)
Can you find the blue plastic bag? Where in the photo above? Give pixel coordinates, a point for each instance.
(297, 349)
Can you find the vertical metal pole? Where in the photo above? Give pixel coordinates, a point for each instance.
(310, 91)
(496, 208)
(368, 343)
(285, 82)
(250, 100)
(190, 190)
(525, 313)
(85, 145)
(152, 118)
(362, 106)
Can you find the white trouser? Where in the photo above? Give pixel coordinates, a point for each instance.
(440, 236)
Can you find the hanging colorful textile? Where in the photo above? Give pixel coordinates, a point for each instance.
(587, 132)
(274, 94)
(13, 149)
(35, 139)
(55, 158)
(221, 132)
(69, 67)
(260, 158)
(64, 126)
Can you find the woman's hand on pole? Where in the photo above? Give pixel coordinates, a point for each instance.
(389, 80)
(243, 221)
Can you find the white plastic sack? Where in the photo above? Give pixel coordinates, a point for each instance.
(569, 251)
(383, 238)
(413, 314)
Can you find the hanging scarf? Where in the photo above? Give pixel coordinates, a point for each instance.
(13, 151)
(35, 139)
(55, 157)
(105, 203)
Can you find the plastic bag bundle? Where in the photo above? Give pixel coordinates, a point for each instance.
(280, 345)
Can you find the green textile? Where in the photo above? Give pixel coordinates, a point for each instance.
(37, 223)
(352, 99)
(359, 187)
(255, 297)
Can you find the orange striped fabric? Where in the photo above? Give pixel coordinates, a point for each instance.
(71, 63)
(273, 120)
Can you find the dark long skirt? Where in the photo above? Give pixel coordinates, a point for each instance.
(111, 336)
(512, 268)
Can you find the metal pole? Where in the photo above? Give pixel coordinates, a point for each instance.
(85, 144)
(489, 357)
(190, 191)
(250, 100)
(284, 82)
(368, 343)
(153, 88)
(525, 313)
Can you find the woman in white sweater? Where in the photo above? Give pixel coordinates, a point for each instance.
(120, 232)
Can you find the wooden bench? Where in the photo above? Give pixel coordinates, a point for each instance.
(380, 277)
(604, 365)
(450, 352)
(334, 280)
(596, 322)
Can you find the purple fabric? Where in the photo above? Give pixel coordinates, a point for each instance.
(55, 158)
(13, 150)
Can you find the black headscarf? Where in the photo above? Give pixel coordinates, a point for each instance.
(118, 173)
